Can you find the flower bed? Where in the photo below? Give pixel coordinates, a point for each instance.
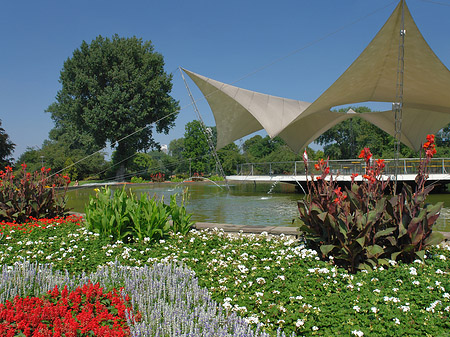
(275, 282)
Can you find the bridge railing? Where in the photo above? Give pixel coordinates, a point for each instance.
(341, 167)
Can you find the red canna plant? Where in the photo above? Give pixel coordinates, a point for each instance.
(365, 225)
(30, 195)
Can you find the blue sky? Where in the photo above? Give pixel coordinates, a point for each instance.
(289, 48)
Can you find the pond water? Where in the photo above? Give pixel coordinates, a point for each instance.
(244, 204)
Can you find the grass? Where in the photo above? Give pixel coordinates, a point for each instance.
(273, 281)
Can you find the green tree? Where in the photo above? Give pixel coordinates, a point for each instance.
(176, 152)
(346, 139)
(258, 148)
(196, 147)
(111, 88)
(6, 148)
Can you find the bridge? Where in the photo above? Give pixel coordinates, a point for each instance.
(293, 172)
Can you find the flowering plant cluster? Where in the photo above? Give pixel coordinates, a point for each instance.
(272, 282)
(34, 224)
(364, 226)
(86, 311)
(158, 177)
(32, 195)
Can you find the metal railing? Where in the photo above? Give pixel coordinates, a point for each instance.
(341, 167)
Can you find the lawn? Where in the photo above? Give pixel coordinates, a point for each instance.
(202, 283)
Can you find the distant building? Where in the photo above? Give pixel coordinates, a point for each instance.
(164, 148)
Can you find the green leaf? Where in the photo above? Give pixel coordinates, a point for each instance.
(420, 254)
(385, 232)
(361, 241)
(374, 250)
(435, 238)
(325, 249)
(394, 256)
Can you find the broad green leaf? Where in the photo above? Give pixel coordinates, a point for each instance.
(374, 250)
(325, 249)
(434, 239)
(385, 232)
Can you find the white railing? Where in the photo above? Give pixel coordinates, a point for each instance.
(341, 167)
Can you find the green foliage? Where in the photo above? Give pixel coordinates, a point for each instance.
(123, 216)
(110, 89)
(138, 180)
(108, 214)
(6, 148)
(273, 279)
(362, 227)
(32, 195)
(142, 165)
(61, 153)
(181, 220)
(344, 139)
(196, 147)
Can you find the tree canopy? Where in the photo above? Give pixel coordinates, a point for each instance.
(6, 148)
(346, 139)
(112, 88)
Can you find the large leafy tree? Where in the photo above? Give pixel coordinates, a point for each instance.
(112, 89)
(196, 147)
(346, 139)
(6, 148)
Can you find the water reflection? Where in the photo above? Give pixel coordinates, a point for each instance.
(244, 204)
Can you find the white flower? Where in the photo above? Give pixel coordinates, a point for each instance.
(260, 280)
(404, 308)
(299, 323)
(374, 310)
(416, 283)
(376, 291)
(356, 308)
(446, 295)
(413, 271)
(396, 320)
(243, 269)
(442, 257)
(439, 271)
(314, 328)
(358, 333)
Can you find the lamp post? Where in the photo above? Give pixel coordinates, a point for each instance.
(42, 161)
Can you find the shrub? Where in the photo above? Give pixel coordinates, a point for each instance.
(34, 195)
(138, 180)
(158, 177)
(363, 227)
(123, 216)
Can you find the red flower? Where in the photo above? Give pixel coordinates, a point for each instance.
(380, 163)
(366, 154)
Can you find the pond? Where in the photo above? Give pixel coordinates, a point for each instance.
(244, 204)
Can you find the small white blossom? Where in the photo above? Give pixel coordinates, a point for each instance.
(358, 333)
(299, 323)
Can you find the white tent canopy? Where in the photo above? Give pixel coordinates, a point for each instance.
(371, 77)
